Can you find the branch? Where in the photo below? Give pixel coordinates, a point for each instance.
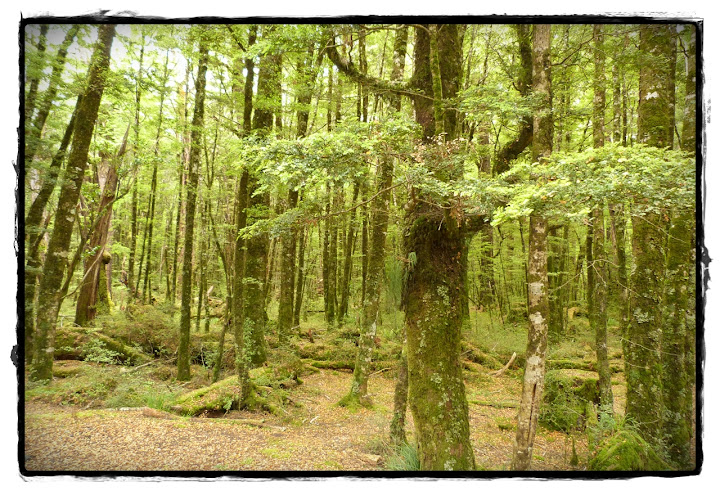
(348, 68)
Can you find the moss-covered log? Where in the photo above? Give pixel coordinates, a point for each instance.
(73, 343)
(568, 401)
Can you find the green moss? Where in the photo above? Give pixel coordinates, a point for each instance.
(220, 396)
(626, 451)
(567, 401)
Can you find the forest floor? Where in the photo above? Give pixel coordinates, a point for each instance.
(314, 434)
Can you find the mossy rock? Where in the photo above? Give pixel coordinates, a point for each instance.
(568, 400)
(626, 450)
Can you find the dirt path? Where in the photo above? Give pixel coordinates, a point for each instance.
(317, 436)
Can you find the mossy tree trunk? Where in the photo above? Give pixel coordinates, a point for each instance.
(35, 231)
(677, 337)
(49, 298)
(538, 301)
(237, 311)
(257, 247)
(598, 277)
(433, 295)
(687, 139)
(676, 381)
(183, 362)
(642, 346)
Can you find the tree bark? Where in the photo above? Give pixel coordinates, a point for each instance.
(642, 344)
(91, 283)
(54, 267)
(538, 306)
(432, 297)
(597, 271)
(183, 362)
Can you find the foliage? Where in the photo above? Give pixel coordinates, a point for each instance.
(617, 446)
(403, 458)
(96, 351)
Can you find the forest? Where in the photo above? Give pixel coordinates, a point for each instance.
(359, 247)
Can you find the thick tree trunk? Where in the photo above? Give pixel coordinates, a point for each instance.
(676, 381)
(432, 297)
(183, 362)
(52, 277)
(597, 282)
(35, 232)
(538, 302)
(256, 254)
(642, 344)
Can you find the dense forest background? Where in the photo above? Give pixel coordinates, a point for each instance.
(226, 211)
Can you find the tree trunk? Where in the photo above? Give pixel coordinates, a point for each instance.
(380, 207)
(299, 284)
(643, 365)
(91, 283)
(538, 306)
(676, 381)
(33, 79)
(287, 277)
(432, 298)
(598, 277)
(183, 362)
(53, 269)
(687, 140)
(348, 260)
(35, 232)
(35, 131)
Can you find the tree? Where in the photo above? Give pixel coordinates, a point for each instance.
(432, 298)
(183, 362)
(91, 284)
(58, 247)
(597, 270)
(643, 367)
(538, 306)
